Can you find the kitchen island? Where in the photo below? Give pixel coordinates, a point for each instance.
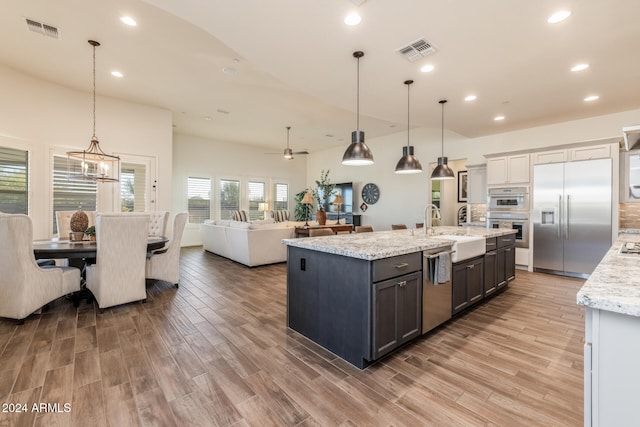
(611, 297)
(360, 295)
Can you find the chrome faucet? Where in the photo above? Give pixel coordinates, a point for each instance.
(427, 218)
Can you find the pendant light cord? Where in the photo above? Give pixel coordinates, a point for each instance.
(358, 94)
(408, 86)
(94, 91)
(442, 102)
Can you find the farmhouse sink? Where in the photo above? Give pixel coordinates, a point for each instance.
(465, 247)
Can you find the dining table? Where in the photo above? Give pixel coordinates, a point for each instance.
(60, 248)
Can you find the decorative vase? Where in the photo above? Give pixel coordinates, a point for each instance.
(321, 217)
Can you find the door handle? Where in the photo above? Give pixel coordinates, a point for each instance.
(403, 283)
(470, 266)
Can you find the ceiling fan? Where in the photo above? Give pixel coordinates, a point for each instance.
(288, 152)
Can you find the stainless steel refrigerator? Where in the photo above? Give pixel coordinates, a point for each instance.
(571, 216)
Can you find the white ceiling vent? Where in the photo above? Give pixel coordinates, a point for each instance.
(44, 29)
(416, 50)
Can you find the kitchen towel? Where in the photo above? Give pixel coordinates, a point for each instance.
(443, 268)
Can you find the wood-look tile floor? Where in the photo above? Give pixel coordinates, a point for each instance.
(216, 351)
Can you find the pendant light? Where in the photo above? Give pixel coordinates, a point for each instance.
(408, 163)
(357, 154)
(94, 163)
(442, 171)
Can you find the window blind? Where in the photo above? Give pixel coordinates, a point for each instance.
(256, 195)
(199, 199)
(71, 193)
(14, 181)
(281, 192)
(229, 198)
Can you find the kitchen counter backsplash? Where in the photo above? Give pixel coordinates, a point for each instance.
(478, 212)
(629, 215)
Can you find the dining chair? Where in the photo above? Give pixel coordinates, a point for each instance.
(165, 264)
(364, 228)
(320, 232)
(158, 221)
(118, 276)
(25, 287)
(398, 227)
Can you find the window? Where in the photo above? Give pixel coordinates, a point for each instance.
(14, 181)
(281, 196)
(199, 199)
(229, 198)
(133, 187)
(256, 195)
(71, 193)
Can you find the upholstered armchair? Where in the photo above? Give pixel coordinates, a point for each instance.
(165, 265)
(24, 286)
(117, 277)
(158, 223)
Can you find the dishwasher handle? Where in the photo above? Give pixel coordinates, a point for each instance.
(433, 256)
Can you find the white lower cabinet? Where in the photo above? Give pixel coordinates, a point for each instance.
(611, 369)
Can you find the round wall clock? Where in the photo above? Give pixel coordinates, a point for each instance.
(370, 193)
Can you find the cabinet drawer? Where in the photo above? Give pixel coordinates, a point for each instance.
(507, 240)
(396, 266)
(492, 244)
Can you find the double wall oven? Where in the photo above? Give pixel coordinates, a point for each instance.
(509, 208)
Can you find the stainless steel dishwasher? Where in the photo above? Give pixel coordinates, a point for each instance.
(436, 297)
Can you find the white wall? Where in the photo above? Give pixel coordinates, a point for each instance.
(206, 158)
(403, 197)
(44, 117)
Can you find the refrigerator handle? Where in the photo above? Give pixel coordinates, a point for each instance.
(559, 221)
(568, 213)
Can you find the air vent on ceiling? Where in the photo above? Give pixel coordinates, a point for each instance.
(416, 50)
(44, 29)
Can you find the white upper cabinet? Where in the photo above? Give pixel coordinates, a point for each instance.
(588, 153)
(558, 156)
(508, 170)
(477, 184)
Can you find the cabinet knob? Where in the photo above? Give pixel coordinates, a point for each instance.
(403, 283)
(470, 266)
(402, 265)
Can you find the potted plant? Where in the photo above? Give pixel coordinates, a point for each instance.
(322, 193)
(91, 232)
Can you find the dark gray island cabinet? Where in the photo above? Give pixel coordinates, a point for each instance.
(358, 309)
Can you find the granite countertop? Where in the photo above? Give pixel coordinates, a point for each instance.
(385, 244)
(615, 283)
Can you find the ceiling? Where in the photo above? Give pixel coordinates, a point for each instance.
(241, 71)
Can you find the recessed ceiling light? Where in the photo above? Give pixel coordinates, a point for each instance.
(230, 71)
(579, 67)
(470, 98)
(353, 18)
(591, 98)
(427, 68)
(207, 118)
(559, 16)
(498, 118)
(129, 21)
(117, 73)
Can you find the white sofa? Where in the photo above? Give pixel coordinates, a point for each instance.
(251, 244)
